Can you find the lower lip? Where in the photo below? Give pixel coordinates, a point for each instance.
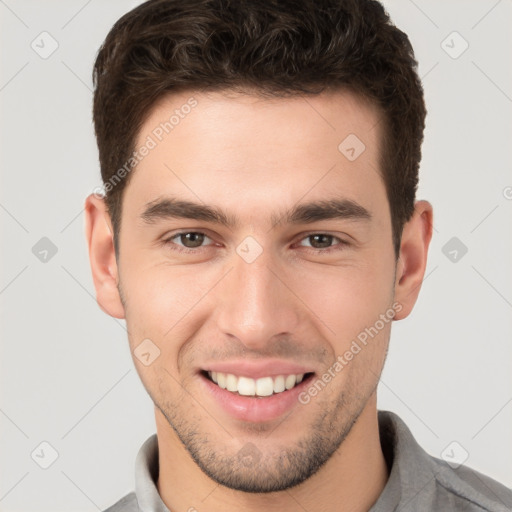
(255, 409)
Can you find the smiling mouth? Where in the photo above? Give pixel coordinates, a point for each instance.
(262, 387)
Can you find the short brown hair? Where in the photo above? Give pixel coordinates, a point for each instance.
(275, 47)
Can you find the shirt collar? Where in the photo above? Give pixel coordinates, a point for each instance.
(146, 476)
(411, 468)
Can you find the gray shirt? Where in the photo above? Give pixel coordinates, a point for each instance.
(417, 482)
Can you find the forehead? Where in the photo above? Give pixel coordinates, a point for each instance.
(240, 117)
(239, 150)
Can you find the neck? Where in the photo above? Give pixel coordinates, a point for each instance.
(351, 480)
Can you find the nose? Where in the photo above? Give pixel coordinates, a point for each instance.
(256, 303)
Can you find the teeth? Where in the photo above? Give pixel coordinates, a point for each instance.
(279, 384)
(231, 383)
(264, 386)
(246, 386)
(221, 380)
(290, 381)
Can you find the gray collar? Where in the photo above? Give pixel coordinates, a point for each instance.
(396, 440)
(417, 481)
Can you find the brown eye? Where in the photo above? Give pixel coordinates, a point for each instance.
(322, 242)
(192, 240)
(187, 240)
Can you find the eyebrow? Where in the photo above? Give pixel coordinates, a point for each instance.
(306, 213)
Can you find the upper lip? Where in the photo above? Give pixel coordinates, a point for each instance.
(257, 369)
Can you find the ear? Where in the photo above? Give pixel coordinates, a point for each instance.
(412, 261)
(100, 240)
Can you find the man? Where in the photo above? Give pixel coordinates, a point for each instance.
(259, 233)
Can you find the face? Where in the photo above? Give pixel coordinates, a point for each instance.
(252, 250)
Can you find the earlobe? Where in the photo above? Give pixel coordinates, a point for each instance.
(99, 235)
(412, 260)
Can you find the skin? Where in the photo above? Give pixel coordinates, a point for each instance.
(255, 158)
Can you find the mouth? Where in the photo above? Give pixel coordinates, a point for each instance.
(254, 391)
(258, 388)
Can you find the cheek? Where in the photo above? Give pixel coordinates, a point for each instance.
(161, 302)
(345, 300)
(160, 289)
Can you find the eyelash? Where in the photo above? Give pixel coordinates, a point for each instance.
(168, 242)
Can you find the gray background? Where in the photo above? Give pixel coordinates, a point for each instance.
(67, 378)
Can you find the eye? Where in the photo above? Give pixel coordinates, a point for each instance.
(193, 241)
(187, 240)
(323, 242)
